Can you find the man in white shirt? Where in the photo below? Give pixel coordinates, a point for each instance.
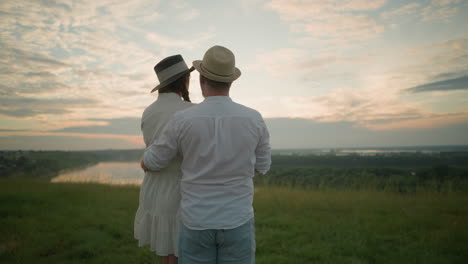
(222, 143)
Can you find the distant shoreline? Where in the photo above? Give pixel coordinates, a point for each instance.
(416, 148)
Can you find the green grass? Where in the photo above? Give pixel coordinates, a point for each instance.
(360, 227)
(42, 222)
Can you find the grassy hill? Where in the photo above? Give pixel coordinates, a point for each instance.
(42, 222)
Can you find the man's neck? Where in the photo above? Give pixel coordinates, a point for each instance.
(214, 93)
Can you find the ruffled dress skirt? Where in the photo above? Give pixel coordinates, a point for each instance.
(157, 221)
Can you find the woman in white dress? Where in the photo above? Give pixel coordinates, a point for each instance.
(156, 221)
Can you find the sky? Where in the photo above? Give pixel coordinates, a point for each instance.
(77, 75)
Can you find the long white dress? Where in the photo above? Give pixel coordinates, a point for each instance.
(156, 221)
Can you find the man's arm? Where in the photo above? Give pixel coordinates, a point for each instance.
(263, 150)
(159, 154)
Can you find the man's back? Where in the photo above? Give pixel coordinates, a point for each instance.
(222, 143)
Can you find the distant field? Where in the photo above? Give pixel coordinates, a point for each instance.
(42, 222)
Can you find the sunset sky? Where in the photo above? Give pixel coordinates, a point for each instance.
(78, 74)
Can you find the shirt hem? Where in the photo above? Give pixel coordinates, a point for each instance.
(218, 227)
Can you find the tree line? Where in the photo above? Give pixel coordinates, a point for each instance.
(387, 171)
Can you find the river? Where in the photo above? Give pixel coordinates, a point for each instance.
(115, 173)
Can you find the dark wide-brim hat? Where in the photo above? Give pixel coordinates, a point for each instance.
(218, 64)
(169, 70)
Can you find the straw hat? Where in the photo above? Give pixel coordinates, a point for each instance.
(170, 69)
(218, 64)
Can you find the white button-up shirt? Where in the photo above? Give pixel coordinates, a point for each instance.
(222, 144)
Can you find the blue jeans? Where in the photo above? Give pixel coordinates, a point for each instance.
(218, 246)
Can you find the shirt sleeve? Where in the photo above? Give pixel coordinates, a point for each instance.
(263, 150)
(160, 153)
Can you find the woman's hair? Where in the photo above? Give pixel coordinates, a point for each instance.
(178, 86)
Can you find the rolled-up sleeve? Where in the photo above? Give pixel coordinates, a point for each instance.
(160, 153)
(263, 150)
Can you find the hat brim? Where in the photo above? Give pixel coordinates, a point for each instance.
(219, 78)
(171, 80)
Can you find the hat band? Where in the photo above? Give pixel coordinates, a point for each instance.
(172, 70)
(207, 70)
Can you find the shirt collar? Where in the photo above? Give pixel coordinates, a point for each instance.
(218, 99)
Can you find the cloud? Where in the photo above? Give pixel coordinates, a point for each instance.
(428, 63)
(370, 95)
(365, 108)
(27, 112)
(340, 28)
(361, 106)
(278, 63)
(449, 75)
(16, 58)
(20, 60)
(440, 10)
(29, 107)
(306, 68)
(313, 134)
(78, 50)
(24, 72)
(250, 6)
(426, 121)
(65, 142)
(119, 126)
(84, 49)
(189, 15)
(166, 41)
(13, 130)
(444, 2)
(460, 83)
(299, 10)
(356, 5)
(332, 22)
(435, 10)
(29, 86)
(407, 9)
(367, 89)
(431, 13)
(352, 24)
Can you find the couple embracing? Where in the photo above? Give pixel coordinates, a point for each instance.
(196, 197)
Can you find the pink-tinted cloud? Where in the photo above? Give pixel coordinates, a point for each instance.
(137, 141)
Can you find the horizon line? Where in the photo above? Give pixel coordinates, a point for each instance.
(409, 147)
